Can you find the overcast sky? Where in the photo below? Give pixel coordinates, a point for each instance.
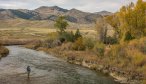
(84, 5)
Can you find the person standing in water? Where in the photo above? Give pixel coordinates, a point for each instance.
(28, 71)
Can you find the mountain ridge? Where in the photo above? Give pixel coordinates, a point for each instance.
(50, 13)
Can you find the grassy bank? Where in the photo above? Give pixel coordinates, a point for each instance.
(125, 62)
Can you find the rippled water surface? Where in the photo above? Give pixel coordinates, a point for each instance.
(46, 69)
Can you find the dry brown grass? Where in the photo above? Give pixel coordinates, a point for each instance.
(64, 51)
(22, 23)
(26, 35)
(33, 32)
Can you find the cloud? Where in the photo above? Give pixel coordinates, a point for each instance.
(99, 5)
(84, 5)
(12, 4)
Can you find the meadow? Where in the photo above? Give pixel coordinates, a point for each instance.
(38, 33)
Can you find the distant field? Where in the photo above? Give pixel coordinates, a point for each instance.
(30, 29)
(22, 23)
(36, 33)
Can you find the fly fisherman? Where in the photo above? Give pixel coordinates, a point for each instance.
(28, 71)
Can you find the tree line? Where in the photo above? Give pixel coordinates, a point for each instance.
(128, 23)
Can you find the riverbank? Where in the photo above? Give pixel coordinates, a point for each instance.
(17, 41)
(45, 69)
(92, 61)
(89, 60)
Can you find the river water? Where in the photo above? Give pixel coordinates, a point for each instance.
(45, 69)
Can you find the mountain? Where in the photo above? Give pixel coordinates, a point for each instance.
(82, 17)
(20, 13)
(104, 13)
(51, 13)
(50, 10)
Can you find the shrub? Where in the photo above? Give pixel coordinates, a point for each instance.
(128, 36)
(130, 54)
(54, 39)
(89, 42)
(139, 44)
(66, 46)
(99, 49)
(3, 51)
(110, 40)
(77, 34)
(34, 45)
(78, 44)
(118, 51)
(142, 44)
(137, 57)
(68, 36)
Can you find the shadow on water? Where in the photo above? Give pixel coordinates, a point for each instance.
(28, 81)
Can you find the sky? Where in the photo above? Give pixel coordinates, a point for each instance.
(84, 5)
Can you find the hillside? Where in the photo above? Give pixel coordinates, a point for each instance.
(104, 13)
(50, 13)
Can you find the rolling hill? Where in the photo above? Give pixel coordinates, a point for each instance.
(50, 13)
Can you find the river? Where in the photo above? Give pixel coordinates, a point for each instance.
(45, 69)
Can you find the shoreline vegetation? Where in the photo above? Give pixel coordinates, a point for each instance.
(88, 58)
(3, 51)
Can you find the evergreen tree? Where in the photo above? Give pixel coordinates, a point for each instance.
(77, 34)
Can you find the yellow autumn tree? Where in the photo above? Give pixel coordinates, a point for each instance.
(130, 21)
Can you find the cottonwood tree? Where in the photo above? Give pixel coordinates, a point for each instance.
(61, 24)
(130, 21)
(101, 28)
(133, 20)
